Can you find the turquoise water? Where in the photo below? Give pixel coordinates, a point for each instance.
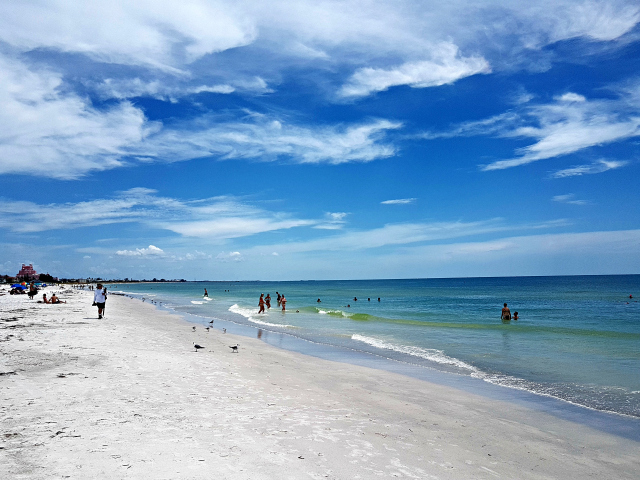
(577, 339)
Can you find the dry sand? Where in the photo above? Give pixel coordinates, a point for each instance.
(128, 397)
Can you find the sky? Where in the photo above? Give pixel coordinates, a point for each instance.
(281, 140)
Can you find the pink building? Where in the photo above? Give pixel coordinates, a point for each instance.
(27, 273)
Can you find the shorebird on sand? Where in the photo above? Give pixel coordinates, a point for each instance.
(211, 321)
(194, 328)
(207, 329)
(234, 348)
(224, 330)
(197, 347)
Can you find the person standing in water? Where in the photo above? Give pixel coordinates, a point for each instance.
(283, 301)
(206, 294)
(261, 303)
(267, 301)
(279, 298)
(506, 313)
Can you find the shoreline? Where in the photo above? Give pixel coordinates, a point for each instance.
(608, 421)
(135, 399)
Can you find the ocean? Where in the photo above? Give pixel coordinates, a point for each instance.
(577, 338)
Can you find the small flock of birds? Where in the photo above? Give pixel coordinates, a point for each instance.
(234, 348)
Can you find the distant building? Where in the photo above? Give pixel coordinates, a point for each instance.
(27, 273)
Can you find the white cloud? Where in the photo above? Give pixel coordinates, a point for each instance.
(47, 132)
(142, 252)
(596, 167)
(217, 218)
(157, 33)
(268, 138)
(125, 88)
(400, 234)
(399, 201)
(569, 124)
(571, 97)
(229, 257)
(570, 199)
(446, 67)
(332, 221)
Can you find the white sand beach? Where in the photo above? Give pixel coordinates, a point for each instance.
(128, 397)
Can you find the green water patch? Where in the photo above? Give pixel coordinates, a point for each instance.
(513, 326)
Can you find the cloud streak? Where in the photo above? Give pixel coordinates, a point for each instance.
(597, 167)
(215, 219)
(446, 66)
(569, 124)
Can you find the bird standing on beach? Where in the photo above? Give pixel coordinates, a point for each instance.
(211, 321)
(194, 328)
(234, 348)
(207, 329)
(224, 330)
(197, 347)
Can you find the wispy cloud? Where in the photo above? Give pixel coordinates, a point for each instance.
(446, 66)
(215, 218)
(268, 138)
(597, 167)
(229, 257)
(332, 221)
(49, 132)
(401, 234)
(569, 124)
(46, 131)
(569, 198)
(399, 201)
(152, 250)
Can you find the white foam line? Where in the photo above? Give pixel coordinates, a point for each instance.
(431, 354)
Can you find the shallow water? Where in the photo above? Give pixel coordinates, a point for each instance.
(577, 339)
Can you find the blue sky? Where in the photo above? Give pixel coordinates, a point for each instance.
(319, 140)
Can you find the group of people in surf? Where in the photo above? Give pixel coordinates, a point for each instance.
(266, 301)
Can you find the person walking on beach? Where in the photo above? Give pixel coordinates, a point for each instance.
(99, 299)
(506, 313)
(283, 301)
(267, 301)
(261, 303)
(32, 290)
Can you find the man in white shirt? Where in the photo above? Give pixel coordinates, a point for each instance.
(99, 299)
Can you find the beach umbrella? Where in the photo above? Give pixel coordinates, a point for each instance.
(17, 285)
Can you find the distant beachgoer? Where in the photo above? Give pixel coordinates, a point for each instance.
(515, 315)
(506, 313)
(267, 301)
(100, 299)
(355, 299)
(348, 305)
(32, 290)
(206, 294)
(368, 299)
(283, 301)
(318, 301)
(44, 298)
(261, 303)
(378, 298)
(279, 298)
(55, 299)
